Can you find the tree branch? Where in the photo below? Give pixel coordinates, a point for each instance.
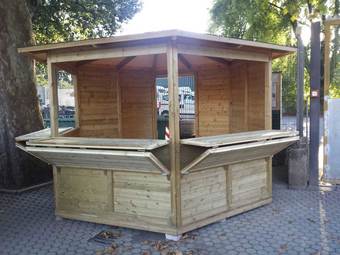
(275, 5)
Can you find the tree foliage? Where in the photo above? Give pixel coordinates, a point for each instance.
(66, 20)
(63, 20)
(274, 21)
(265, 20)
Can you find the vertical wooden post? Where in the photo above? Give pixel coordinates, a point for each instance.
(268, 117)
(119, 102)
(268, 96)
(246, 98)
(197, 115)
(154, 106)
(76, 102)
(175, 175)
(53, 95)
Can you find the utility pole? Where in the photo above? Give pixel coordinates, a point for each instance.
(315, 104)
(300, 83)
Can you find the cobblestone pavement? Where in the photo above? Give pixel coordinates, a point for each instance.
(297, 222)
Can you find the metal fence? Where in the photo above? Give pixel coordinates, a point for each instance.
(186, 99)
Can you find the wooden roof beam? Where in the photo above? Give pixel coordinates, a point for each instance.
(85, 62)
(220, 60)
(121, 52)
(185, 62)
(124, 62)
(223, 53)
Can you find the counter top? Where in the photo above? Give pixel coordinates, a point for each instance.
(237, 138)
(99, 143)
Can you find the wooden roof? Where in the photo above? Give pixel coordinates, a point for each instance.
(40, 52)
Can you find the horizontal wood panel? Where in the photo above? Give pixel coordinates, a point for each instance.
(203, 195)
(142, 195)
(237, 153)
(138, 104)
(84, 190)
(97, 98)
(249, 182)
(99, 143)
(214, 99)
(236, 138)
(256, 96)
(100, 159)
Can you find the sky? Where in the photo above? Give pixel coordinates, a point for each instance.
(156, 15)
(189, 15)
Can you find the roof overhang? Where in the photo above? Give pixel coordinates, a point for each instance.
(40, 52)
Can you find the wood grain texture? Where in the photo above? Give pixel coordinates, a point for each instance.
(239, 92)
(142, 195)
(138, 102)
(203, 194)
(84, 190)
(134, 161)
(53, 92)
(99, 143)
(97, 99)
(249, 182)
(257, 97)
(237, 153)
(214, 102)
(238, 138)
(140, 201)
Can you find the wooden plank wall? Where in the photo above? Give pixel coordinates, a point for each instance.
(239, 92)
(98, 114)
(256, 96)
(141, 195)
(203, 194)
(248, 96)
(214, 101)
(249, 182)
(226, 190)
(138, 104)
(84, 190)
(139, 200)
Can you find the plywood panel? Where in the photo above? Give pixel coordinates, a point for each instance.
(256, 96)
(214, 99)
(84, 190)
(239, 90)
(98, 112)
(142, 195)
(135, 161)
(248, 182)
(138, 104)
(222, 156)
(203, 195)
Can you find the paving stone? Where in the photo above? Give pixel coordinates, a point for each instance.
(297, 222)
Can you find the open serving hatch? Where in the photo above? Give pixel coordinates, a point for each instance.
(228, 149)
(101, 153)
(140, 155)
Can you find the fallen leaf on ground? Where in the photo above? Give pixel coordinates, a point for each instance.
(311, 220)
(159, 246)
(283, 248)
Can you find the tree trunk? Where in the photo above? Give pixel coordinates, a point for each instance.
(19, 107)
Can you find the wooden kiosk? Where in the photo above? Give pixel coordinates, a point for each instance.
(111, 169)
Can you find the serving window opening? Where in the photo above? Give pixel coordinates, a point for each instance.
(186, 99)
